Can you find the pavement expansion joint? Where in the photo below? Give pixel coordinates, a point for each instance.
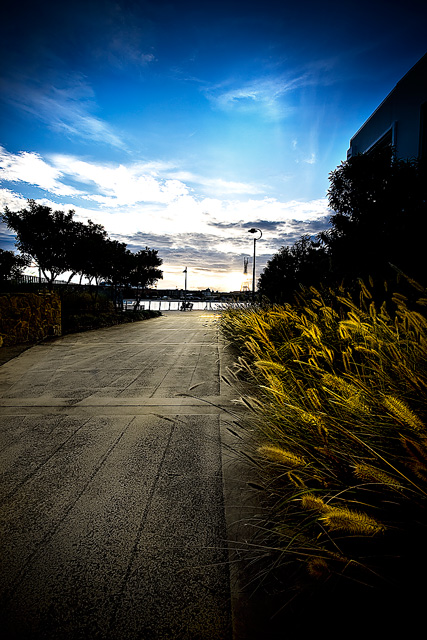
(96, 405)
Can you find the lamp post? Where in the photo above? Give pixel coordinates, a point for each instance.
(254, 230)
(185, 286)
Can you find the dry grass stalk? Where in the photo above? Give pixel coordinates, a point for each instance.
(341, 391)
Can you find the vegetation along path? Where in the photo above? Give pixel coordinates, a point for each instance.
(112, 505)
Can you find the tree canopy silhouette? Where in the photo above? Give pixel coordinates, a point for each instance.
(87, 251)
(380, 217)
(304, 263)
(58, 243)
(11, 265)
(44, 235)
(144, 271)
(379, 222)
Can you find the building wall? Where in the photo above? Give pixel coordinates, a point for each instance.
(28, 317)
(400, 119)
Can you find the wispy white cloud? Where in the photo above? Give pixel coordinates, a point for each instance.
(311, 159)
(123, 52)
(264, 95)
(66, 108)
(218, 186)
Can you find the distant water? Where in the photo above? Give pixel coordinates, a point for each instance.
(174, 305)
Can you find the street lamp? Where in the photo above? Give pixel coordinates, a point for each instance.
(253, 270)
(185, 289)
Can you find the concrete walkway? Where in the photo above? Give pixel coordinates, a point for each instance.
(112, 501)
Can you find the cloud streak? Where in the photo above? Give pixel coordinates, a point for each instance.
(218, 185)
(263, 95)
(65, 107)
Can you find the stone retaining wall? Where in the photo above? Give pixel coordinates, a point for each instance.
(28, 317)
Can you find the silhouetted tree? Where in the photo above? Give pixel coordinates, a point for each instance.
(380, 217)
(379, 222)
(58, 243)
(144, 271)
(44, 235)
(116, 264)
(11, 265)
(123, 269)
(88, 253)
(304, 263)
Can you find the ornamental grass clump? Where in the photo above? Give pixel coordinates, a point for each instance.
(338, 424)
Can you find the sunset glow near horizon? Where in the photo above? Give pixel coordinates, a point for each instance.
(181, 125)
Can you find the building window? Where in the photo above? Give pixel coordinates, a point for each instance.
(388, 139)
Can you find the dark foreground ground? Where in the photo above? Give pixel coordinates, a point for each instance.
(113, 517)
(124, 509)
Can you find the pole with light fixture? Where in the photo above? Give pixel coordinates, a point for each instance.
(185, 286)
(254, 230)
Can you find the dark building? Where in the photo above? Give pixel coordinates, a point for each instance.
(400, 120)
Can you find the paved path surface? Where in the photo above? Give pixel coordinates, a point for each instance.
(111, 495)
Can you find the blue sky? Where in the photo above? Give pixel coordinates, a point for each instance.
(180, 125)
